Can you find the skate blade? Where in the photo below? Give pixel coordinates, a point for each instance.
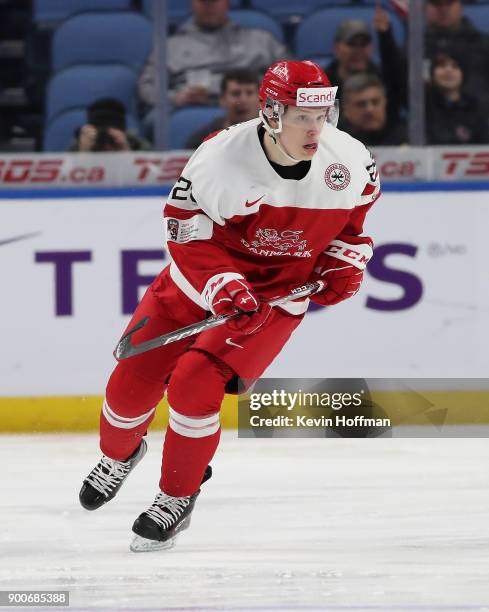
(140, 544)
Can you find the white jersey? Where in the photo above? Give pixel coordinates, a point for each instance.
(231, 215)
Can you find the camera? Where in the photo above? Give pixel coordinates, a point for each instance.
(104, 114)
(104, 141)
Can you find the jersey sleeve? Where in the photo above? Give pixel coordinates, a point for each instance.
(350, 245)
(371, 192)
(196, 226)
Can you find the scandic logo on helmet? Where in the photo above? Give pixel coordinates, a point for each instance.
(316, 96)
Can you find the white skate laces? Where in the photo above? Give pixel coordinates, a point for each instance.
(166, 510)
(107, 474)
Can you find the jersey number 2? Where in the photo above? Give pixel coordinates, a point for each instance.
(183, 186)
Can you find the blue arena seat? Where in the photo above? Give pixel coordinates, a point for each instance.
(101, 38)
(259, 20)
(479, 15)
(52, 11)
(80, 85)
(315, 35)
(284, 9)
(178, 10)
(184, 122)
(59, 132)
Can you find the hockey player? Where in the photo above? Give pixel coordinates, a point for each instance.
(261, 207)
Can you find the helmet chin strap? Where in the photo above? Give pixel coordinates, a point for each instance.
(274, 136)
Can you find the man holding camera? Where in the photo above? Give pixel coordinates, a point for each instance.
(106, 130)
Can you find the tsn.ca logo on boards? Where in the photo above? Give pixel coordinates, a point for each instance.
(35, 171)
(63, 170)
(465, 163)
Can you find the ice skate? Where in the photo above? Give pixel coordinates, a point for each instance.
(157, 528)
(107, 477)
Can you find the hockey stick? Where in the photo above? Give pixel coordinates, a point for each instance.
(125, 348)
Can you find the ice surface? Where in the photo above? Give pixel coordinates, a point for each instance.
(382, 524)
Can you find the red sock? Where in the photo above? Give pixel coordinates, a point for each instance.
(184, 462)
(195, 394)
(129, 408)
(120, 436)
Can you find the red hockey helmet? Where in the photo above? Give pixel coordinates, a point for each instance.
(283, 80)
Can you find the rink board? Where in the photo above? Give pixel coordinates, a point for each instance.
(48, 414)
(73, 269)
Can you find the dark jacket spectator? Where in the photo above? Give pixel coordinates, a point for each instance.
(452, 115)
(198, 137)
(239, 99)
(448, 29)
(106, 130)
(364, 113)
(354, 55)
(203, 49)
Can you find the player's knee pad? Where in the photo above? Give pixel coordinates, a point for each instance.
(131, 394)
(196, 387)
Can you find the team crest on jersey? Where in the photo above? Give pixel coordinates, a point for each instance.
(271, 242)
(282, 241)
(337, 177)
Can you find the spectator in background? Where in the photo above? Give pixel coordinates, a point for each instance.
(364, 112)
(452, 115)
(106, 130)
(448, 28)
(353, 51)
(239, 99)
(203, 49)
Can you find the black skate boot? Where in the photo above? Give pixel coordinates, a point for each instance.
(106, 478)
(157, 528)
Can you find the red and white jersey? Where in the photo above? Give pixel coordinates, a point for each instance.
(230, 215)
